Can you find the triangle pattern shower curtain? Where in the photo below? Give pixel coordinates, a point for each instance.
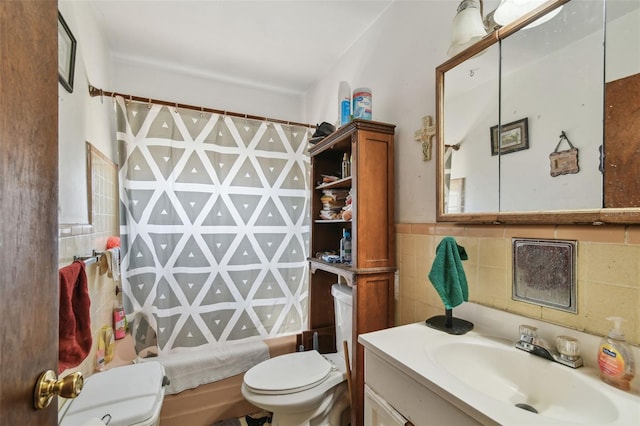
(214, 226)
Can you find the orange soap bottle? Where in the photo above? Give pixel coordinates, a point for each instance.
(615, 358)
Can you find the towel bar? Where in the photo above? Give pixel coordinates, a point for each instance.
(88, 260)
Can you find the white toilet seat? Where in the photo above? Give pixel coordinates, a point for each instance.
(289, 373)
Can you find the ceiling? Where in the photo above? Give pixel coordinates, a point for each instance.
(284, 45)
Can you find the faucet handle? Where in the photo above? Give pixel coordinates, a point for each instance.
(528, 332)
(568, 347)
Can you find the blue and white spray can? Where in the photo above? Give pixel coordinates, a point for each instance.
(344, 103)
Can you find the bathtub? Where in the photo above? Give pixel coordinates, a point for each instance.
(208, 403)
(219, 400)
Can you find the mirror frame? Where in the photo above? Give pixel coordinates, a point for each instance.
(597, 216)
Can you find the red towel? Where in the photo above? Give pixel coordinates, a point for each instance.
(75, 320)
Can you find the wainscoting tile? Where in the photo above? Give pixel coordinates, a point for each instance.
(596, 234)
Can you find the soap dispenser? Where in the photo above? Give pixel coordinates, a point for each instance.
(615, 358)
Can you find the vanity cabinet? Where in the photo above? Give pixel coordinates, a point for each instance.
(396, 397)
(370, 147)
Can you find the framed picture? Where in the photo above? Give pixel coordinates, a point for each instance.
(513, 137)
(66, 54)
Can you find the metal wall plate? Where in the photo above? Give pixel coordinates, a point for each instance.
(544, 273)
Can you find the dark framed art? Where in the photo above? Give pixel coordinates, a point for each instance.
(514, 137)
(66, 54)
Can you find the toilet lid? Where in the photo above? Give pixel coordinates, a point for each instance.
(128, 395)
(288, 373)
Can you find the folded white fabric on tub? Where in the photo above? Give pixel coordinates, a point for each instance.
(190, 368)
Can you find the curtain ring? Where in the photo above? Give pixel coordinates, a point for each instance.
(149, 104)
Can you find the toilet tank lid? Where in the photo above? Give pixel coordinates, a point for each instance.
(129, 394)
(343, 293)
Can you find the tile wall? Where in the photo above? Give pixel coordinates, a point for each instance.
(82, 239)
(608, 272)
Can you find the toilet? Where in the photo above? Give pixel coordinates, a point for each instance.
(306, 388)
(130, 395)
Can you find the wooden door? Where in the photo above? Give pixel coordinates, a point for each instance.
(28, 206)
(622, 142)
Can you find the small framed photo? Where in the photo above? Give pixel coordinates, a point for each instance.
(66, 54)
(513, 137)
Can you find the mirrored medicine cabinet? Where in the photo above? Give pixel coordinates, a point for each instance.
(540, 123)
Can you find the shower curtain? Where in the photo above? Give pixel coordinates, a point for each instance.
(214, 226)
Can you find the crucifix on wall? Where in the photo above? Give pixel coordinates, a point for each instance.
(425, 135)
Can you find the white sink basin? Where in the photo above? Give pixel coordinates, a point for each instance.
(517, 378)
(485, 378)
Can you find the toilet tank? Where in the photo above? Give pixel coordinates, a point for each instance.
(343, 307)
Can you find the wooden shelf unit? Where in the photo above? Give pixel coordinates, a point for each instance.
(370, 145)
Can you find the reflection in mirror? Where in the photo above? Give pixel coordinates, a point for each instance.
(471, 108)
(552, 84)
(552, 75)
(622, 96)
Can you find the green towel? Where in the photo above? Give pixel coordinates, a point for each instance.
(447, 275)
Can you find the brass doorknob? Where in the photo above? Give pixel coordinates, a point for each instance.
(48, 385)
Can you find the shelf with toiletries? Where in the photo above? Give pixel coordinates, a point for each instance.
(339, 183)
(352, 200)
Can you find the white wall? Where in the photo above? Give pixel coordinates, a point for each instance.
(82, 118)
(471, 109)
(183, 86)
(560, 92)
(396, 59)
(623, 45)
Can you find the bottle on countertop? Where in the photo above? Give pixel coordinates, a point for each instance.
(615, 358)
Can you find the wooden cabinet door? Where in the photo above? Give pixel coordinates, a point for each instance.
(28, 206)
(374, 242)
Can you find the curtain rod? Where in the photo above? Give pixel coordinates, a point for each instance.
(94, 91)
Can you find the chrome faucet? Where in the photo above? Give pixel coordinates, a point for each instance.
(568, 348)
